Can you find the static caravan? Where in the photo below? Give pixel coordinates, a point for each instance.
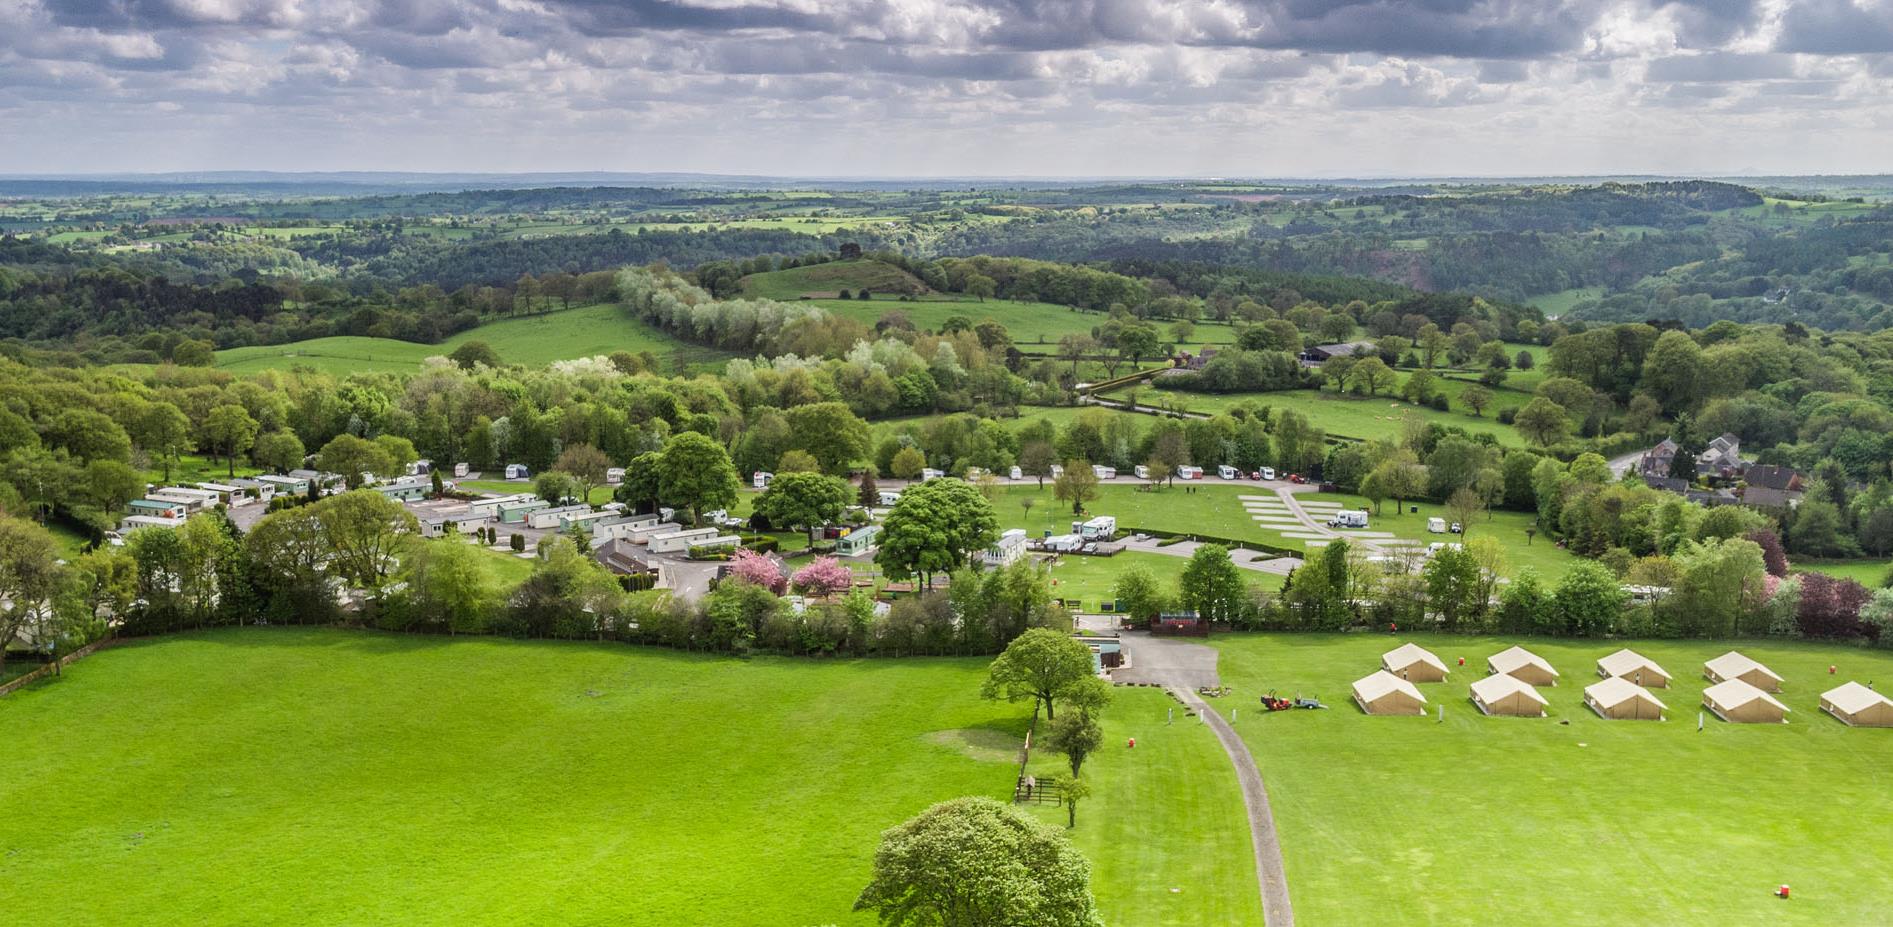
(672, 542)
(156, 508)
(228, 494)
(518, 471)
(258, 490)
(1187, 472)
(1103, 472)
(1009, 547)
(1017, 473)
(193, 500)
(406, 490)
(859, 541)
(1436, 525)
(1228, 472)
(552, 517)
(434, 526)
(291, 485)
(727, 540)
(583, 521)
(131, 523)
(890, 496)
(929, 473)
(621, 526)
(492, 504)
(514, 513)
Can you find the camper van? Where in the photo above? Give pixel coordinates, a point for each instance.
(1143, 472)
(889, 496)
(1436, 525)
(518, 472)
(1187, 472)
(1348, 519)
(1228, 472)
(761, 478)
(1101, 528)
(1103, 472)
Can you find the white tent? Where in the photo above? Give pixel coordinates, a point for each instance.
(1522, 663)
(1859, 706)
(1733, 665)
(1619, 698)
(1383, 693)
(1635, 667)
(1501, 694)
(1738, 702)
(1414, 664)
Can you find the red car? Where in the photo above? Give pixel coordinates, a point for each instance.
(1296, 478)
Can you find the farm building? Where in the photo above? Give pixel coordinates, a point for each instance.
(1523, 664)
(1859, 706)
(1635, 667)
(1619, 698)
(1738, 702)
(1413, 663)
(1503, 694)
(1733, 665)
(1386, 694)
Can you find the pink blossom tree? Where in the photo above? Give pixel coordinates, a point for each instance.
(752, 567)
(825, 576)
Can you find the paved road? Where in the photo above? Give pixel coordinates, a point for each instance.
(1181, 667)
(1622, 463)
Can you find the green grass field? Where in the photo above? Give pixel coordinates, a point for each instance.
(1089, 579)
(1476, 820)
(1867, 572)
(532, 341)
(1345, 415)
(827, 279)
(348, 777)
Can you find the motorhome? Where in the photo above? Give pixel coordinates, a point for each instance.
(889, 496)
(1187, 472)
(1267, 473)
(1103, 472)
(1348, 519)
(1101, 528)
(1228, 472)
(760, 479)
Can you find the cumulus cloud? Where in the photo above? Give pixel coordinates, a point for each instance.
(919, 86)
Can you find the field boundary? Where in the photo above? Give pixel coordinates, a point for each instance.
(67, 660)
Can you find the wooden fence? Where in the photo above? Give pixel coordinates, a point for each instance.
(67, 660)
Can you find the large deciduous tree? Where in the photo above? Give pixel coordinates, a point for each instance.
(830, 432)
(1042, 665)
(934, 528)
(804, 501)
(973, 862)
(231, 430)
(695, 472)
(365, 530)
(29, 575)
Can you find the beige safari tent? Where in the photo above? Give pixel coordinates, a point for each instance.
(1619, 698)
(1635, 667)
(1858, 706)
(1738, 702)
(1733, 665)
(1386, 694)
(1527, 666)
(1508, 695)
(1413, 663)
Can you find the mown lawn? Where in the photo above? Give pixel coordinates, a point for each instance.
(1164, 827)
(1472, 821)
(1090, 579)
(533, 341)
(1349, 415)
(1868, 572)
(282, 776)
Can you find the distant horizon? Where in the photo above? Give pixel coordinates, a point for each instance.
(226, 175)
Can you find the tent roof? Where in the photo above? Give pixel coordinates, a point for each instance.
(1853, 697)
(1512, 658)
(1409, 654)
(1733, 664)
(1381, 683)
(1493, 688)
(1734, 693)
(1616, 690)
(1627, 662)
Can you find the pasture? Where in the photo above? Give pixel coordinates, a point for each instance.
(1345, 415)
(342, 776)
(1475, 820)
(532, 340)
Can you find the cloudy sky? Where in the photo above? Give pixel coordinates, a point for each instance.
(950, 87)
